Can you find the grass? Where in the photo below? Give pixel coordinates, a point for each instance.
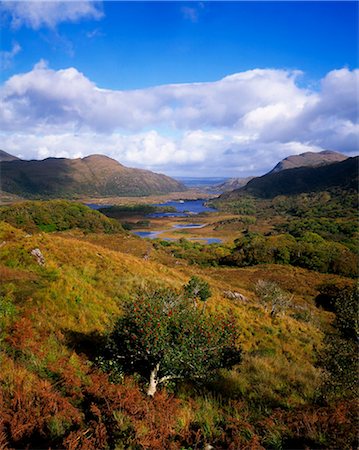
(54, 316)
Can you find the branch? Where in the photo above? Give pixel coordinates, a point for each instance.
(169, 377)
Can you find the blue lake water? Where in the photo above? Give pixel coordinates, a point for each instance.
(184, 208)
(190, 225)
(148, 234)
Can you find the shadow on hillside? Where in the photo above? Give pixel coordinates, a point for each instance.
(91, 344)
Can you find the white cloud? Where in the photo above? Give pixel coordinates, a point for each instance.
(6, 57)
(47, 97)
(242, 123)
(192, 12)
(39, 14)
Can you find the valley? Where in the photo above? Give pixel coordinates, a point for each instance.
(179, 228)
(277, 274)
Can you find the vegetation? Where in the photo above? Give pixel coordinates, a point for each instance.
(164, 336)
(197, 289)
(340, 356)
(94, 176)
(309, 250)
(83, 330)
(342, 174)
(56, 215)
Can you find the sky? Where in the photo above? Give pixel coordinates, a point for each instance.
(183, 88)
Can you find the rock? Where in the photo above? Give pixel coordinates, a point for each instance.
(233, 295)
(40, 259)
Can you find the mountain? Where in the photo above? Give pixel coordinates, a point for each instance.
(309, 159)
(343, 175)
(232, 184)
(7, 157)
(94, 176)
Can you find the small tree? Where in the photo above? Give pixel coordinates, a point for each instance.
(163, 336)
(198, 289)
(272, 296)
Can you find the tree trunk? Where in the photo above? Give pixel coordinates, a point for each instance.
(152, 387)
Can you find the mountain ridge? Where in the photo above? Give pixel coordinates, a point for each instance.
(4, 156)
(343, 174)
(308, 159)
(95, 175)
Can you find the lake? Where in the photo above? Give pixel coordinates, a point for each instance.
(156, 234)
(184, 208)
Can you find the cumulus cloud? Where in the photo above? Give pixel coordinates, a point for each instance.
(39, 14)
(6, 57)
(243, 123)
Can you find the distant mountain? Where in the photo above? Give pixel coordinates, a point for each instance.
(232, 184)
(309, 159)
(7, 157)
(343, 175)
(93, 176)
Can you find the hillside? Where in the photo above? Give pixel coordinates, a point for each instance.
(95, 176)
(57, 215)
(309, 159)
(57, 309)
(232, 184)
(7, 157)
(341, 175)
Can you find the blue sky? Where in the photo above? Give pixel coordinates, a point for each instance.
(292, 64)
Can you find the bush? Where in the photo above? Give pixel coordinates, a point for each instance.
(272, 296)
(340, 356)
(163, 336)
(57, 215)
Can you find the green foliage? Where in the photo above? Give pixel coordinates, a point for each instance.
(272, 296)
(197, 288)
(347, 313)
(310, 251)
(7, 313)
(340, 356)
(333, 203)
(56, 215)
(119, 211)
(194, 252)
(337, 230)
(162, 327)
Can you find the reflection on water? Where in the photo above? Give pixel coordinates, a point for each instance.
(155, 235)
(148, 234)
(184, 208)
(190, 225)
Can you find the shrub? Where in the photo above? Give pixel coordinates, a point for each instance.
(163, 336)
(272, 296)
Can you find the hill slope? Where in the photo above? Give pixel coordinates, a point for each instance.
(7, 157)
(95, 175)
(309, 159)
(232, 184)
(343, 175)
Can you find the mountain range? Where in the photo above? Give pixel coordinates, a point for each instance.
(342, 175)
(309, 159)
(94, 176)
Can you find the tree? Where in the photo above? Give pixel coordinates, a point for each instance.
(340, 355)
(197, 289)
(272, 296)
(163, 336)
